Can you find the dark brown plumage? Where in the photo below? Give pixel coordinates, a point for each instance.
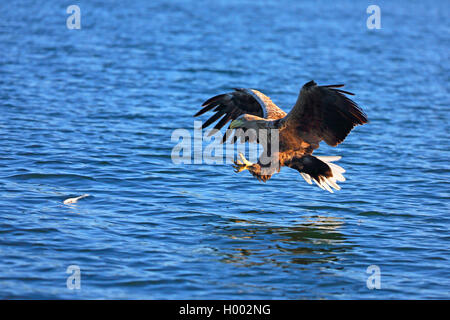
(320, 113)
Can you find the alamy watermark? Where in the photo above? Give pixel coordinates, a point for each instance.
(191, 149)
(374, 20)
(74, 279)
(374, 280)
(74, 20)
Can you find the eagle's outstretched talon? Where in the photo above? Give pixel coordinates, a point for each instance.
(238, 167)
(245, 161)
(241, 165)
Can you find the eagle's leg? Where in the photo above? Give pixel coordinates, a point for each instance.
(242, 165)
(253, 168)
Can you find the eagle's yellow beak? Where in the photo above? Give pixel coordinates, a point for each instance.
(236, 123)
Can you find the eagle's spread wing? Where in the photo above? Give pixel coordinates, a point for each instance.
(324, 113)
(231, 105)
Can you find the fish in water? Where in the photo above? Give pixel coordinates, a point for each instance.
(74, 200)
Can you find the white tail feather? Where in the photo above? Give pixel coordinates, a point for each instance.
(326, 186)
(307, 177)
(332, 182)
(319, 184)
(336, 171)
(336, 167)
(329, 158)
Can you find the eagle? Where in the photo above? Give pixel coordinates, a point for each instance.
(321, 113)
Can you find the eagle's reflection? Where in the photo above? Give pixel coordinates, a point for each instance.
(314, 239)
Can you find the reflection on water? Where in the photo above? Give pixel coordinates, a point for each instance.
(314, 240)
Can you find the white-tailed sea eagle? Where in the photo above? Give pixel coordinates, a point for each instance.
(320, 113)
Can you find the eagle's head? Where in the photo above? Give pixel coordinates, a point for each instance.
(248, 121)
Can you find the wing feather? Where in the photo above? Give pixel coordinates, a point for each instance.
(231, 105)
(324, 113)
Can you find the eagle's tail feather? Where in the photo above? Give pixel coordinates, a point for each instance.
(323, 172)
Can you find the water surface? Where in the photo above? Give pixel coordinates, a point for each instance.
(92, 111)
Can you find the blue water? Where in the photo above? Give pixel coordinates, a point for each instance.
(93, 110)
